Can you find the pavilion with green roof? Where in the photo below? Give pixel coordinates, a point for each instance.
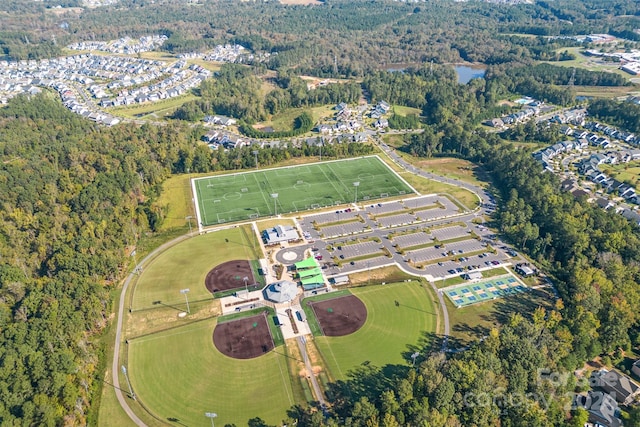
(307, 263)
(310, 274)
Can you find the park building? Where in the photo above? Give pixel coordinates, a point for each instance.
(279, 234)
(281, 292)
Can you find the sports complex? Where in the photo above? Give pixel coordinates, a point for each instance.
(251, 195)
(203, 332)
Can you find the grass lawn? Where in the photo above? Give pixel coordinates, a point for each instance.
(247, 195)
(167, 274)
(624, 172)
(462, 170)
(175, 194)
(159, 109)
(284, 119)
(474, 321)
(406, 111)
(428, 186)
(390, 332)
(180, 374)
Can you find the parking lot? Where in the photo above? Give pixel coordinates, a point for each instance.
(424, 254)
(396, 220)
(449, 233)
(465, 246)
(421, 202)
(433, 213)
(356, 249)
(336, 216)
(474, 262)
(383, 208)
(342, 229)
(414, 239)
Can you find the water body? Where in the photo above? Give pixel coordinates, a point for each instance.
(466, 73)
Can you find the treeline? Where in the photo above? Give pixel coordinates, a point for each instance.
(625, 115)
(238, 92)
(301, 124)
(410, 121)
(555, 75)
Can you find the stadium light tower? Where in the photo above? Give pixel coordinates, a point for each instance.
(356, 184)
(124, 371)
(414, 356)
(275, 203)
(255, 153)
(186, 298)
(189, 218)
(211, 416)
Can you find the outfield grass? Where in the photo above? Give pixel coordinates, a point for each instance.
(186, 265)
(389, 333)
(180, 374)
(247, 195)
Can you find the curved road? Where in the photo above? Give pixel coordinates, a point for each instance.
(482, 194)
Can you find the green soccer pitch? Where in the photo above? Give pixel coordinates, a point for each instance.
(250, 195)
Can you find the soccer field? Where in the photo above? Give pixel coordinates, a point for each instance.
(250, 195)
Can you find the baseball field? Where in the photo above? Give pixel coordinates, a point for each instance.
(398, 316)
(250, 195)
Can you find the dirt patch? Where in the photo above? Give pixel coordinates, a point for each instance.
(244, 338)
(229, 275)
(340, 316)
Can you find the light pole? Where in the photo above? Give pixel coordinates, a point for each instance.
(255, 153)
(186, 298)
(275, 203)
(356, 184)
(246, 279)
(211, 416)
(124, 371)
(321, 144)
(189, 218)
(414, 356)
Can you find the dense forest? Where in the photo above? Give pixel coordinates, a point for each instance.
(76, 199)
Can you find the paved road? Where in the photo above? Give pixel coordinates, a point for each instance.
(115, 368)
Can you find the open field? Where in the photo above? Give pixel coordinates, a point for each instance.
(166, 275)
(428, 186)
(390, 333)
(180, 374)
(406, 111)
(154, 110)
(248, 195)
(474, 321)
(624, 172)
(603, 91)
(462, 170)
(588, 62)
(284, 119)
(175, 195)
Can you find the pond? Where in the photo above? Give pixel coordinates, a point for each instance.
(466, 73)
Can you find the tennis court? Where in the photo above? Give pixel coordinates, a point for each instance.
(475, 292)
(249, 195)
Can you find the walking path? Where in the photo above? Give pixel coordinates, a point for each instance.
(302, 345)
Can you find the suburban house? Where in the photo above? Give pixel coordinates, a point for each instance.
(622, 388)
(636, 368)
(603, 409)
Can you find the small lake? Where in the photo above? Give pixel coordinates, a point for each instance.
(466, 73)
